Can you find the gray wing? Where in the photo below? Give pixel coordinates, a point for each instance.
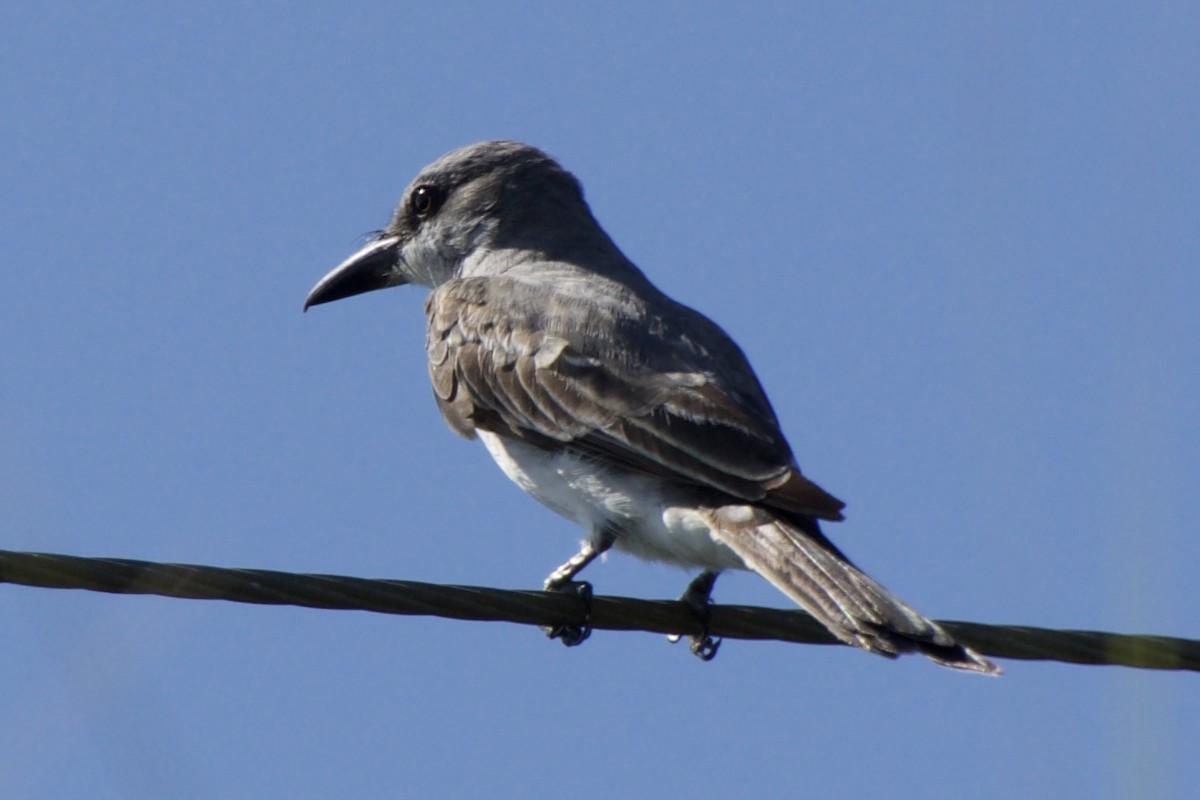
(510, 357)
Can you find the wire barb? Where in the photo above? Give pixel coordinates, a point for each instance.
(126, 576)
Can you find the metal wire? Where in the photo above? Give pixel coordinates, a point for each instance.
(125, 576)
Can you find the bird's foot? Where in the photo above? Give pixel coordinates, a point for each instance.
(572, 633)
(697, 598)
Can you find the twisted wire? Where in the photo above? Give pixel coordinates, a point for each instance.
(126, 576)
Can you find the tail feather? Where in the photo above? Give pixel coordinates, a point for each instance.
(852, 605)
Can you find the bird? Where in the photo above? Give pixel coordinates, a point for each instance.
(624, 411)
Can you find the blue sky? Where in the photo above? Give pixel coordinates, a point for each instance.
(958, 241)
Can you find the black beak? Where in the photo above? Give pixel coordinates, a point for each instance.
(373, 267)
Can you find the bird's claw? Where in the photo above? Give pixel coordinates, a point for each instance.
(571, 633)
(702, 645)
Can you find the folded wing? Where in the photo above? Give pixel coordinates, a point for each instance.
(551, 370)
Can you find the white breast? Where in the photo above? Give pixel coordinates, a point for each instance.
(652, 523)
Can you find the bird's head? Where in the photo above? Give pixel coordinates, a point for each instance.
(485, 198)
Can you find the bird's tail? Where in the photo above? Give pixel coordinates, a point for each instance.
(795, 556)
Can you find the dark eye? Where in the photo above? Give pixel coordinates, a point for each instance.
(425, 200)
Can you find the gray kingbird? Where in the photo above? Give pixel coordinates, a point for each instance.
(624, 411)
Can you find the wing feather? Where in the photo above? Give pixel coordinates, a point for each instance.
(500, 361)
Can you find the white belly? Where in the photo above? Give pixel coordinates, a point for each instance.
(649, 522)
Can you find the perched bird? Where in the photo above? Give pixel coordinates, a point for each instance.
(624, 411)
